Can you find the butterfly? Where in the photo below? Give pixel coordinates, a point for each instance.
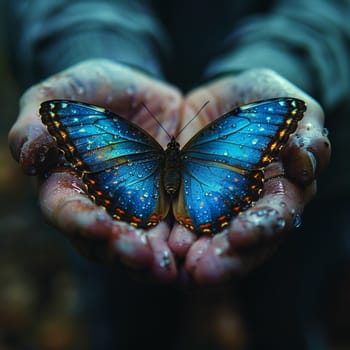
(217, 175)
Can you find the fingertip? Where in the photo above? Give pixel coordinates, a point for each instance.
(217, 266)
(15, 141)
(131, 246)
(38, 154)
(306, 155)
(180, 240)
(261, 223)
(31, 145)
(164, 267)
(242, 233)
(300, 165)
(195, 253)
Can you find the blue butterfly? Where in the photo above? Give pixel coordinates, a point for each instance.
(217, 174)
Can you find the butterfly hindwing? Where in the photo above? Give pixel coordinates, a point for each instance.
(121, 164)
(222, 165)
(206, 206)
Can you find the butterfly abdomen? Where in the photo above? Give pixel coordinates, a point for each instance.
(172, 176)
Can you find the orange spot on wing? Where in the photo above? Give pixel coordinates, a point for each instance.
(120, 211)
(187, 221)
(266, 158)
(154, 218)
(205, 226)
(282, 133)
(273, 146)
(136, 220)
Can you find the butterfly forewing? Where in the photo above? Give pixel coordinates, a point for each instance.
(222, 165)
(121, 163)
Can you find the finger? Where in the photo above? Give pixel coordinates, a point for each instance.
(195, 253)
(207, 262)
(279, 210)
(308, 150)
(180, 240)
(29, 141)
(65, 204)
(164, 265)
(220, 261)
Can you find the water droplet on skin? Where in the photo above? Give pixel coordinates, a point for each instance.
(297, 221)
(166, 261)
(130, 90)
(260, 213)
(281, 223)
(296, 218)
(80, 90)
(76, 187)
(109, 98)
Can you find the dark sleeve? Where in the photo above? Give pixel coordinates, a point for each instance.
(48, 36)
(307, 42)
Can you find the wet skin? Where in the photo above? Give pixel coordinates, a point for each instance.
(170, 253)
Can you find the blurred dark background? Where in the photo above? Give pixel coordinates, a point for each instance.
(39, 306)
(306, 290)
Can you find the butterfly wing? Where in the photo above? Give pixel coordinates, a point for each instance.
(121, 164)
(222, 165)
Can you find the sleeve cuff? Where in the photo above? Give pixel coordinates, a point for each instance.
(61, 53)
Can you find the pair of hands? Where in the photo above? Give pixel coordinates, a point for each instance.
(169, 253)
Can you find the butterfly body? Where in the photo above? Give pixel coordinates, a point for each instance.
(172, 173)
(213, 178)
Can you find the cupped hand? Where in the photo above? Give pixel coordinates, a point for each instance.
(289, 182)
(169, 253)
(62, 195)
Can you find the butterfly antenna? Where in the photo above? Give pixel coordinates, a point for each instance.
(155, 118)
(192, 119)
